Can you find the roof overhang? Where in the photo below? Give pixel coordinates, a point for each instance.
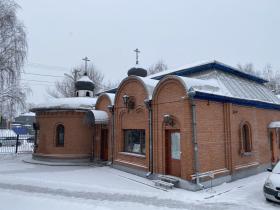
(274, 124)
(95, 117)
(212, 65)
(239, 101)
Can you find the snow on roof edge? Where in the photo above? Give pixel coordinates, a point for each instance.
(201, 63)
(71, 103)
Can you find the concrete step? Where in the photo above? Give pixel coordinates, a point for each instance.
(169, 179)
(163, 184)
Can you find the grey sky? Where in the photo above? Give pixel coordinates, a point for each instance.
(61, 32)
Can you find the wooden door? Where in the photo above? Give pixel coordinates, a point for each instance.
(104, 145)
(173, 153)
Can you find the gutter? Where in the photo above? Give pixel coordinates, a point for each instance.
(191, 94)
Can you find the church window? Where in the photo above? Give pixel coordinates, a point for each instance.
(246, 138)
(60, 135)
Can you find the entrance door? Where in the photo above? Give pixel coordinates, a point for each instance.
(173, 153)
(104, 145)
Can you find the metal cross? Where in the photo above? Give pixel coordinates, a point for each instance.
(137, 51)
(86, 60)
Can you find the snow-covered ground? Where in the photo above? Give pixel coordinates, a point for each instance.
(26, 186)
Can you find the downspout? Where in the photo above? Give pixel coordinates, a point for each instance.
(191, 94)
(148, 104)
(93, 140)
(92, 145)
(111, 109)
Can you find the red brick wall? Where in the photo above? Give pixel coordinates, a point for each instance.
(78, 135)
(259, 120)
(170, 99)
(132, 119)
(210, 135)
(218, 130)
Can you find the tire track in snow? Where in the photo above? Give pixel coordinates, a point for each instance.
(117, 197)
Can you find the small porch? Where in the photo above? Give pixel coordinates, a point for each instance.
(100, 144)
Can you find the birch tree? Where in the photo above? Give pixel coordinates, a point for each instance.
(13, 50)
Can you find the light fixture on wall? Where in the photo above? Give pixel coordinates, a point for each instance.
(125, 100)
(168, 120)
(128, 101)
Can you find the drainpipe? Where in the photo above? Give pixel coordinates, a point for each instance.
(92, 158)
(148, 104)
(92, 144)
(112, 110)
(191, 94)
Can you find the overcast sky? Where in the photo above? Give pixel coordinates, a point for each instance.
(61, 32)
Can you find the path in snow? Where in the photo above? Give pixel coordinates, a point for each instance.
(117, 197)
(105, 188)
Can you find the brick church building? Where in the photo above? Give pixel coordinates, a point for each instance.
(192, 123)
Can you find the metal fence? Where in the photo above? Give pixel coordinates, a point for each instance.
(16, 143)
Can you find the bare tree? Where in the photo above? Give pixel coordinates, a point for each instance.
(248, 68)
(157, 67)
(273, 77)
(66, 87)
(13, 50)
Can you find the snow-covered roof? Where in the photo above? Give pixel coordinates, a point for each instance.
(187, 66)
(28, 114)
(149, 84)
(67, 103)
(237, 87)
(84, 78)
(101, 117)
(193, 68)
(207, 86)
(111, 97)
(275, 124)
(97, 117)
(221, 84)
(7, 133)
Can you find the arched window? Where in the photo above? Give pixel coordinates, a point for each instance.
(59, 135)
(246, 138)
(87, 94)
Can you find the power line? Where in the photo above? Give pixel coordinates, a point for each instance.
(43, 75)
(37, 81)
(51, 67)
(39, 84)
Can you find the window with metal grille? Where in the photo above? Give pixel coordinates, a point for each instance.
(134, 141)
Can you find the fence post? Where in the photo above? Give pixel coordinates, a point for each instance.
(17, 143)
